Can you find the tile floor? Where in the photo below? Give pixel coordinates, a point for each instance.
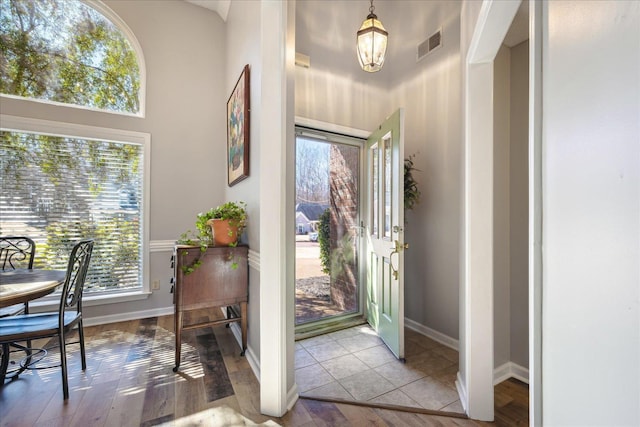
(354, 364)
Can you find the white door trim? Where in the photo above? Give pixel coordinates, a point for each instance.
(476, 318)
(332, 127)
(535, 213)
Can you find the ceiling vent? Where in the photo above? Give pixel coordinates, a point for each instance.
(430, 44)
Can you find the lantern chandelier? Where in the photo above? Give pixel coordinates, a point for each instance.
(371, 42)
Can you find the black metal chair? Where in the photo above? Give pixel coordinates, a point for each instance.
(45, 325)
(16, 252)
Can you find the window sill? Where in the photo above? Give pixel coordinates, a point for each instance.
(50, 303)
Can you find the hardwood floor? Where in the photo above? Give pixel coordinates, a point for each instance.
(129, 382)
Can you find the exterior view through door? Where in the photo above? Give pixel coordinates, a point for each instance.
(344, 252)
(327, 239)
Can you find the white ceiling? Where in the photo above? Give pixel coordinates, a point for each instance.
(326, 32)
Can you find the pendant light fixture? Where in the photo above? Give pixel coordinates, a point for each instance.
(371, 42)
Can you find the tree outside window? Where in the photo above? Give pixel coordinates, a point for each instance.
(60, 189)
(66, 51)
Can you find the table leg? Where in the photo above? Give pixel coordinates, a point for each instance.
(4, 362)
(178, 332)
(243, 326)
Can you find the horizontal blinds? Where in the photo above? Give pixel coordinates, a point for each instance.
(58, 190)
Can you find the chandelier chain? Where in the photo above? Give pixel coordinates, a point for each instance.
(371, 8)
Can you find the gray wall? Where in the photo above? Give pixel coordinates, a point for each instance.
(501, 218)
(519, 205)
(591, 213)
(511, 204)
(182, 46)
(243, 47)
(430, 94)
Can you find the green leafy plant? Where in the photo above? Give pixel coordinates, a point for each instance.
(235, 212)
(324, 235)
(411, 191)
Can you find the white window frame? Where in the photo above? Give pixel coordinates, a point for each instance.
(73, 130)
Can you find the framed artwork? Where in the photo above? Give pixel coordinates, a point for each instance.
(238, 130)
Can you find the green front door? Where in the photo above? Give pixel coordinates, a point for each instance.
(384, 225)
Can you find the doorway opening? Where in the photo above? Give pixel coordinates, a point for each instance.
(328, 285)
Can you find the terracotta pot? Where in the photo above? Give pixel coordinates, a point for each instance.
(224, 233)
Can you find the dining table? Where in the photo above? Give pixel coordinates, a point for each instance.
(21, 286)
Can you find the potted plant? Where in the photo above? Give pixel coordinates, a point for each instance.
(227, 223)
(219, 226)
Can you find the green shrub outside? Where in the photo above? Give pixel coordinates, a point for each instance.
(324, 234)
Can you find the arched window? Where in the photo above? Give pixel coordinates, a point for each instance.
(71, 52)
(64, 181)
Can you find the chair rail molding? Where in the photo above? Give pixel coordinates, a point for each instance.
(167, 246)
(254, 259)
(161, 245)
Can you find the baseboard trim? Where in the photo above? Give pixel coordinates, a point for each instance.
(501, 373)
(292, 396)
(510, 370)
(254, 363)
(520, 373)
(431, 333)
(123, 317)
(462, 393)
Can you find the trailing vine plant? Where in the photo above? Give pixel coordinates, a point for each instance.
(235, 212)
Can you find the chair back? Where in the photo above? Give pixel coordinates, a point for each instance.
(76, 274)
(16, 252)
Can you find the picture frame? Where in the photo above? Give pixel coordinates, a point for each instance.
(238, 112)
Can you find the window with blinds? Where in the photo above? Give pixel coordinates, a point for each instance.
(58, 190)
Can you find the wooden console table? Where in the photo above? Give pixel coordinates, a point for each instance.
(215, 283)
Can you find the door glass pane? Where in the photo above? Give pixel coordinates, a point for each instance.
(387, 185)
(375, 200)
(327, 213)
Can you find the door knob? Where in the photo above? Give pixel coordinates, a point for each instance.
(399, 246)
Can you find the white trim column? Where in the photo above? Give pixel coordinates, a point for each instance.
(476, 322)
(277, 385)
(535, 213)
(478, 224)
